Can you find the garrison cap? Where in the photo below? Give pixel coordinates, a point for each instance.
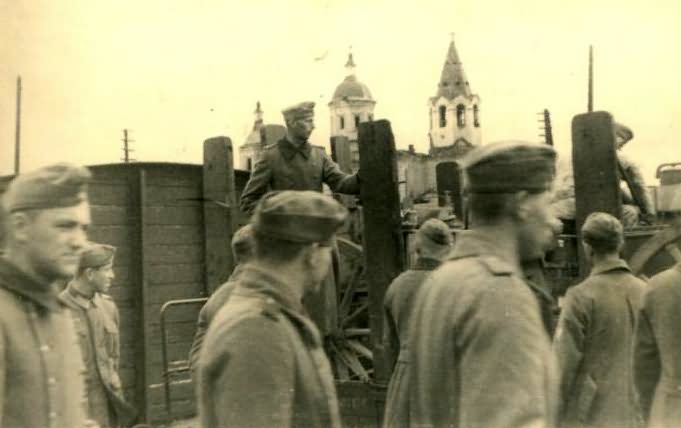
(435, 231)
(299, 111)
(56, 186)
(298, 216)
(623, 132)
(96, 255)
(602, 230)
(509, 167)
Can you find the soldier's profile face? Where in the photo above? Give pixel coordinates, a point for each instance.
(55, 239)
(302, 128)
(102, 278)
(536, 230)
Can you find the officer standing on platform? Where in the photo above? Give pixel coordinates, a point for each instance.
(433, 243)
(97, 323)
(293, 164)
(479, 353)
(41, 370)
(594, 340)
(262, 363)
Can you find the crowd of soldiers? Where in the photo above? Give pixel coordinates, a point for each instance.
(472, 344)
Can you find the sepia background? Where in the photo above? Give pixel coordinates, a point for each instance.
(176, 72)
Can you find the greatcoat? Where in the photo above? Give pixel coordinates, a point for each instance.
(479, 354)
(657, 361)
(41, 370)
(399, 307)
(262, 363)
(594, 347)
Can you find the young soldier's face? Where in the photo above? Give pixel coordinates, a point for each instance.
(55, 239)
(102, 277)
(537, 225)
(302, 128)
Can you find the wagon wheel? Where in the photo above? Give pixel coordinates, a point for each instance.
(349, 343)
(659, 252)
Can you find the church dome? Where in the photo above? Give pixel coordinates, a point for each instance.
(350, 87)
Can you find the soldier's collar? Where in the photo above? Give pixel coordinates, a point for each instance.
(609, 265)
(472, 243)
(289, 149)
(16, 281)
(77, 297)
(426, 263)
(259, 280)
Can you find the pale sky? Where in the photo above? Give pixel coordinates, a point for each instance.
(176, 72)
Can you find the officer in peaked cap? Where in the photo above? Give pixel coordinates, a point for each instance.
(604, 305)
(47, 213)
(97, 323)
(478, 352)
(293, 164)
(432, 244)
(261, 352)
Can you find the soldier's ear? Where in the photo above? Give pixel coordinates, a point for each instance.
(521, 205)
(19, 226)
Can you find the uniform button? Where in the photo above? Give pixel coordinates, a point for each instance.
(51, 381)
(44, 348)
(53, 415)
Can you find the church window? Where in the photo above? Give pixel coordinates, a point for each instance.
(249, 164)
(476, 116)
(461, 115)
(371, 117)
(342, 122)
(443, 116)
(356, 121)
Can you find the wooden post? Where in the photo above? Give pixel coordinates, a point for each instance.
(219, 210)
(448, 176)
(594, 166)
(341, 154)
(383, 241)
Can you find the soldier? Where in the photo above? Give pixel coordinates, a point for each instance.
(657, 351)
(636, 201)
(41, 370)
(97, 323)
(594, 340)
(262, 363)
(242, 248)
(433, 243)
(479, 355)
(293, 164)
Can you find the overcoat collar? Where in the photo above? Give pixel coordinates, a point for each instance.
(426, 263)
(16, 281)
(289, 150)
(471, 243)
(609, 266)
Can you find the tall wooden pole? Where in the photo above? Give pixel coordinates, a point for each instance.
(591, 80)
(17, 132)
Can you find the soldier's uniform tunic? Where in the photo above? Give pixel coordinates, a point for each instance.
(262, 363)
(41, 372)
(657, 362)
(97, 326)
(479, 354)
(594, 346)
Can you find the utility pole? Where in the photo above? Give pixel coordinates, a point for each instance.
(17, 131)
(548, 130)
(126, 147)
(590, 106)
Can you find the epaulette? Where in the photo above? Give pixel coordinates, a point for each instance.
(106, 297)
(496, 266)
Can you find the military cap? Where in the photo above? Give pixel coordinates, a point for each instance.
(298, 216)
(602, 230)
(509, 167)
(96, 255)
(55, 186)
(299, 111)
(623, 133)
(435, 231)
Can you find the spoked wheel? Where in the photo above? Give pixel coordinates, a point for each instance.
(349, 343)
(660, 252)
